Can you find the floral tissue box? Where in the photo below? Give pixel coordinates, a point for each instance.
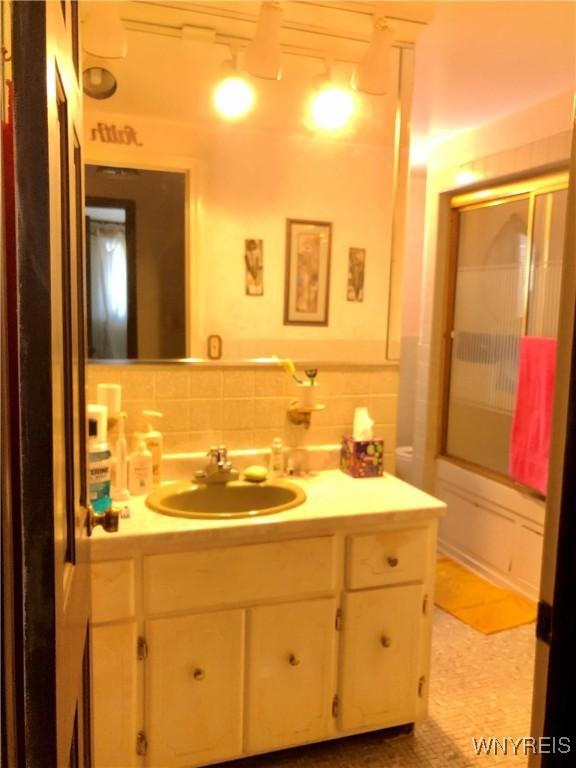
(362, 458)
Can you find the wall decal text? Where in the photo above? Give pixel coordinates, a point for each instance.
(108, 133)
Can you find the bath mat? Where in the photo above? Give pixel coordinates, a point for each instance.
(475, 601)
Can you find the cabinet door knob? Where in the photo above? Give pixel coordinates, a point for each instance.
(199, 674)
(293, 660)
(385, 642)
(392, 561)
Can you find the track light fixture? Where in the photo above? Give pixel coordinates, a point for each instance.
(263, 55)
(372, 73)
(233, 97)
(331, 106)
(103, 33)
(98, 83)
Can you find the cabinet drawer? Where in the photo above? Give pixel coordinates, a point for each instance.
(112, 590)
(219, 577)
(392, 557)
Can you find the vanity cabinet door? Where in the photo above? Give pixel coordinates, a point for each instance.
(194, 674)
(290, 674)
(382, 631)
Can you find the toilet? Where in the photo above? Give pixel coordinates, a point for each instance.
(404, 454)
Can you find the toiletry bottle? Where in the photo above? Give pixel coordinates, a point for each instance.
(140, 470)
(98, 466)
(153, 439)
(120, 489)
(276, 458)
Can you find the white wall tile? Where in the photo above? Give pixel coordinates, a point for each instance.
(238, 383)
(198, 413)
(171, 385)
(205, 384)
(238, 414)
(205, 415)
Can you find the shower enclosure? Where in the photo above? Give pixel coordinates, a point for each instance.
(506, 264)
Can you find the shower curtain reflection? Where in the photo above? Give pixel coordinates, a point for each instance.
(108, 290)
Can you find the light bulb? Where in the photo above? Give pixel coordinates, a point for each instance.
(233, 97)
(331, 108)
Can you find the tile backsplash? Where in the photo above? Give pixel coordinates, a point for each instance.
(245, 407)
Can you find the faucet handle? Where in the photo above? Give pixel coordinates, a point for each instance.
(213, 453)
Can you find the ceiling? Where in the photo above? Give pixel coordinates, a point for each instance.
(475, 60)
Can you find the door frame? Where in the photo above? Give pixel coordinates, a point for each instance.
(555, 666)
(42, 35)
(29, 365)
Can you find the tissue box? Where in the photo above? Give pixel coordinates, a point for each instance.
(362, 458)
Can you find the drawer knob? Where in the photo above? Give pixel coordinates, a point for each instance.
(293, 660)
(199, 674)
(385, 642)
(392, 561)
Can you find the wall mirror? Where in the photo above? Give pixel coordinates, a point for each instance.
(249, 178)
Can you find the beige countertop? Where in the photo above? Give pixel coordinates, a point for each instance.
(335, 501)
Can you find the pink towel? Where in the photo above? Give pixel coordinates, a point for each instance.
(530, 436)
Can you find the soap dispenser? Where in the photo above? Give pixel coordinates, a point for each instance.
(153, 440)
(140, 470)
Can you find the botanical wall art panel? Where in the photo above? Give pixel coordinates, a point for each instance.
(356, 268)
(254, 263)
(307, 287)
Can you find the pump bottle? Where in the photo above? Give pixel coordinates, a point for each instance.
(153, 440)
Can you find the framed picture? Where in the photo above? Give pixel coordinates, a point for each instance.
(307, 287)
(254, 267)
(356, 267)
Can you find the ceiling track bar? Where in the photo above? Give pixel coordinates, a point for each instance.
(363, 11)
(210, 35)
(238, 16)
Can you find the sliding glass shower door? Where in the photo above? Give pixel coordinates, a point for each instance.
(506, 276)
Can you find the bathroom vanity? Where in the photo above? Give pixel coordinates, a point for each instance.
(217, 639)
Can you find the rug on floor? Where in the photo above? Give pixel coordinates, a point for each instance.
(478, 603)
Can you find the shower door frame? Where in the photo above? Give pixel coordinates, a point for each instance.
(527, 187)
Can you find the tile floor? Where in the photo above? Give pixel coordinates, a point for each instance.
(481, 686)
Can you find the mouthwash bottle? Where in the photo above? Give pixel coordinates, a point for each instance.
(99, 470)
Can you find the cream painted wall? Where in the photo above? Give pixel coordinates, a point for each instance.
(248, 184)
(252, 184)
(522, 142)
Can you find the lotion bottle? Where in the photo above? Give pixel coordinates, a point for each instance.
(153, 439)
(140, 470)
(120, 489)
(276, 458)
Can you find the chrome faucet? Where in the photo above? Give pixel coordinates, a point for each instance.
(219, 468)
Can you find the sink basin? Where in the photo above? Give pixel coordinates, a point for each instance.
(226, 500)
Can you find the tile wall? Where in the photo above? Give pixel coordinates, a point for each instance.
(245, 407)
